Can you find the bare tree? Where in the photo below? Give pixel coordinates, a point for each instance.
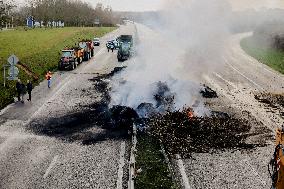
(71, 12)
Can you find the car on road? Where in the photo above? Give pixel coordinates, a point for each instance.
(116, 44)
(96, 41)
(112, 43)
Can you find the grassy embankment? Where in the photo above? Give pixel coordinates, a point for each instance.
(154, 169)
(38, 49)
(269, 56)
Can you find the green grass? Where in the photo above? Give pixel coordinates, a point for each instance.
(39, 49)
(269, 56)
(155, 173)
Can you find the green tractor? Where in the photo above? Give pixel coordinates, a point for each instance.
(125, 50)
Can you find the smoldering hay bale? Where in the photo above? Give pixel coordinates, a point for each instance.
(123, 117)
(183, 135)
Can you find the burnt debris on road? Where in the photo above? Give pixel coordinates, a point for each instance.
(115, 122)
(207, 92)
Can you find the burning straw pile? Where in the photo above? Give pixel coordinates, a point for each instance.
(183, 134)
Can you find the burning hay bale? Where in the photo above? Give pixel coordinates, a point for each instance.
(146, 110)
(207, 92)
(183, 134)
(164, 97)
(123, 117)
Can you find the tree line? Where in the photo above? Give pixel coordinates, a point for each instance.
(71, 12)
(6, 8)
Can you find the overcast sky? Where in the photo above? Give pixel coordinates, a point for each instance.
(142, 5)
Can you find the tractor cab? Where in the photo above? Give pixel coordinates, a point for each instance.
(67, 53)
(67, 60)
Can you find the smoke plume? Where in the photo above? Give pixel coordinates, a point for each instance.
(189, 40)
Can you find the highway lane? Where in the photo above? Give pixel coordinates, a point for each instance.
(35, 155)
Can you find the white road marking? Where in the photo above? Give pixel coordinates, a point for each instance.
(257, 85)
(225, 80)
(52, 164)
(254, 171)
(182, 172)
(121, 165)
(50, 99)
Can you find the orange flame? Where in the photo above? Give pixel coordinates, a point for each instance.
(190, 114)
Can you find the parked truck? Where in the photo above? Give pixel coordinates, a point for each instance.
(125, 50)
(88, 47)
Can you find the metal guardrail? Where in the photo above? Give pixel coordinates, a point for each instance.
(132, 161)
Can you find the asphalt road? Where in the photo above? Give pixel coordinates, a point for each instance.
(49, 142)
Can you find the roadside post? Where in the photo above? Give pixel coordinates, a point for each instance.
(4, 69)
(13, 71)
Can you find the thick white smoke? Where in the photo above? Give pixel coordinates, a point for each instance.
(189, 41)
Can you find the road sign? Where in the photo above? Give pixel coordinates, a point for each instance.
(13, 60)
(13, 73)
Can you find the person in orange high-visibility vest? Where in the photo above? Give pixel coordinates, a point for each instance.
(48, 77)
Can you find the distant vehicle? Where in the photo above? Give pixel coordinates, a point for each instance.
(68, 60)
(116, 44)
(96, 42)
(110, 45)
(125, 47)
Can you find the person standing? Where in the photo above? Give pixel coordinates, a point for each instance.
(29, 89)
(23, 92)
(18, 88)
(48, 77)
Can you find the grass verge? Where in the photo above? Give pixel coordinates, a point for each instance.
(39, 51)
(155, 172)
(269, 56)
